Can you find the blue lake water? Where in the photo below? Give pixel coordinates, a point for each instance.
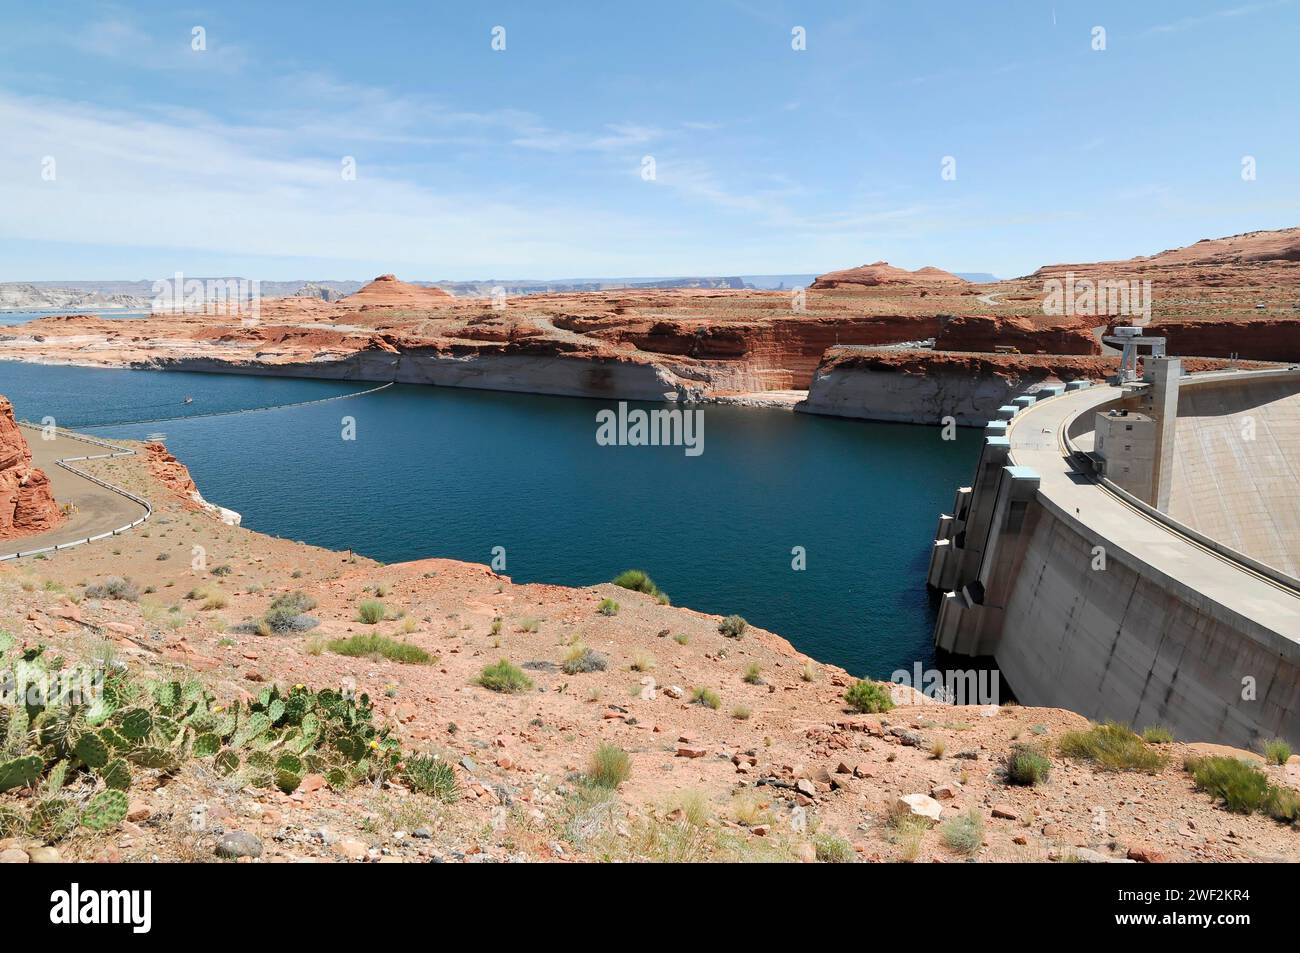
(447, 472)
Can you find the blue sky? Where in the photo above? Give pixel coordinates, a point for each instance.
(527, 163)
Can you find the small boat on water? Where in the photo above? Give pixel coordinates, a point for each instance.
(189, 400)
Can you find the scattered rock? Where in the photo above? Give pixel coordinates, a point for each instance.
(234, 844)
(13, 855)
(919, 805)
(1005, 811)
(1145, 854)
(352, 850)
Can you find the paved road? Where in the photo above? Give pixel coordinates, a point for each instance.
(98, 510)
(1034, 443)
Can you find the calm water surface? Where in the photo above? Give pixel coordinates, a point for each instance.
(447, 472)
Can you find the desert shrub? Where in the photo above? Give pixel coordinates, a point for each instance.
(868, 697)
(504, 677)
(370, 611)
(607, 607)
(431, 775)
(741, 713)
(830, 848)
(580, 659)
(753, 674)
(370, 645)
(609, 766)
(963, 833)
(808, 672)
(1283, 804)
(114, 587)
(1112, 747)
(1157, 735)
(643, 662)
(1277, 751)
(733, 626)
(287, 613)
(1026, 765)
(1243, 788)
(706, 697)
(638, 581)
(223, 570)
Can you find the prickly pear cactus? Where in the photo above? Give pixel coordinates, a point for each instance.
(135, 724)
(105, 810)
(116, 774)
(158, 758)
(20, 772)
(206, 745)
(226, 762)
(288, 773)
(92, 750)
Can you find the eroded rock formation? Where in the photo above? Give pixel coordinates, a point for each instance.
(26, 502)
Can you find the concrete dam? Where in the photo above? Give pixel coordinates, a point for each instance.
(1130, 551)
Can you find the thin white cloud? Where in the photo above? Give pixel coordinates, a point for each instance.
(1188, 23)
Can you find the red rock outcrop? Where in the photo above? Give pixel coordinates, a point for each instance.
(387, 292)
(1264, 339)
(171, 473)
(883, 273)
(986, 333)
(26, 503)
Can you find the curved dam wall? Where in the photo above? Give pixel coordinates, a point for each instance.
(1093, 601)
(1236, 475)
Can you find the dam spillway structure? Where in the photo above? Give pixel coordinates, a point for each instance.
(1131, 551)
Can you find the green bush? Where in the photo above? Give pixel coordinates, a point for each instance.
(1277, 751)
(370, 646)
(288, 613)
(830, 848)
(706, 697)
(431, 775)
(638, 581)
(1026, 765)
(610, 766)
(504, 677)
(1157, 735)
(370, 611)
(114, 587)
(733, 626)
(964, 833)
(1112, 747)
(581, 659)
(1243, 788)
(869, 697)
(607, 607)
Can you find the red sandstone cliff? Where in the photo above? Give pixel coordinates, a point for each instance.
(26, 504)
